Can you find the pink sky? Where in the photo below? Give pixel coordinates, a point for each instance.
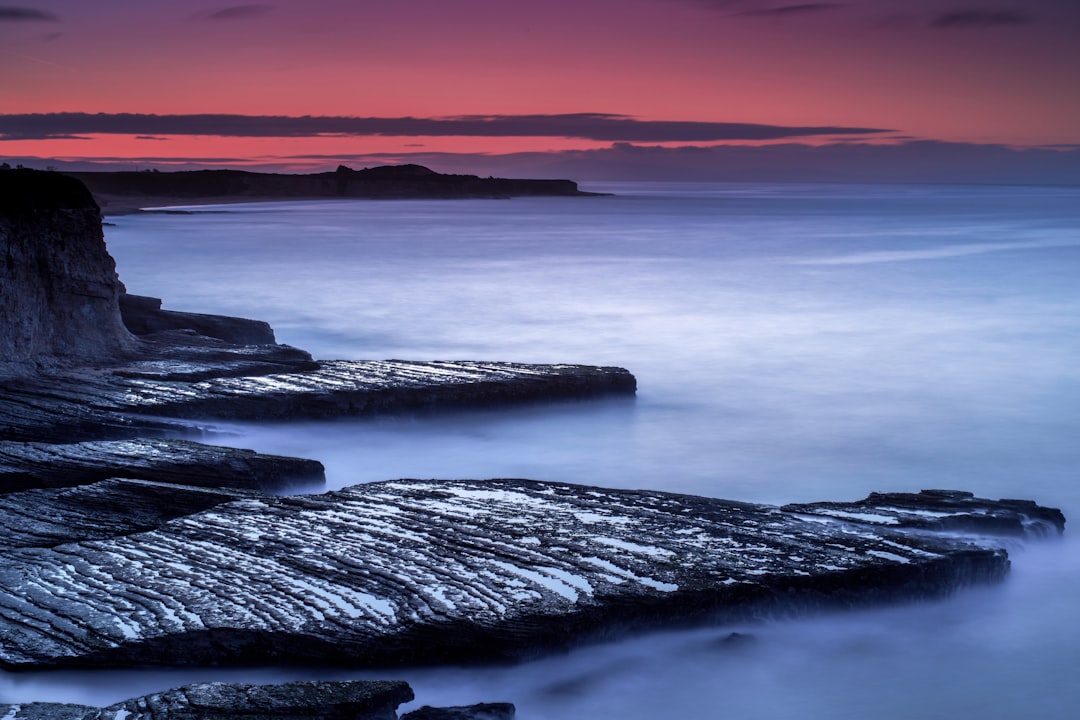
(1002, 72)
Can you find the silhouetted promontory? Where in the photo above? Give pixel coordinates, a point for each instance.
(127, 190)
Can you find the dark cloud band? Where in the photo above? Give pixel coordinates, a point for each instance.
(21, 14)
(980, 19)
(585, 126)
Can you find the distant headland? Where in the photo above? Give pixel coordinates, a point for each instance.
(125, 192)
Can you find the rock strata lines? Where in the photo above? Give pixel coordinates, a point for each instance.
(426, 571)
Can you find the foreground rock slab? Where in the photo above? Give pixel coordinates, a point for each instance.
(447, 571)
(358, 700)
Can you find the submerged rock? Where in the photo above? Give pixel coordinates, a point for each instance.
(481, 711)
(448, 571)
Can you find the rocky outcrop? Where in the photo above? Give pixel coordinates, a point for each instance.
(355, 700)
(481, 711)
(305, 700)
(25, 465)
(45, 518)
(144, 316)
(58, 285)
(447, 571)
(119, 401)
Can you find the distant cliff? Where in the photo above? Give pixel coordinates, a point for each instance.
(59, 289)
(385, 182)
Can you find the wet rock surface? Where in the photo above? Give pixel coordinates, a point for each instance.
(112, 508)
(355, 700)
(447, 571)
(129, 400)
(25, 465)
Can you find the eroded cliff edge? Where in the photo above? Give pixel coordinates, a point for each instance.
(59, 291)
(80, 360)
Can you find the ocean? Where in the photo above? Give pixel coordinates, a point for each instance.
(791, 343)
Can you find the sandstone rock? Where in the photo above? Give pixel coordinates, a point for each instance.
(451, 571)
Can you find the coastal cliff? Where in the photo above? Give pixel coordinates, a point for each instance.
(59, 291)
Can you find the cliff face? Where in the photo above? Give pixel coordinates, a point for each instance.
(59, 291)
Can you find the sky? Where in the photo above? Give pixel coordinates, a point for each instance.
(630, 88)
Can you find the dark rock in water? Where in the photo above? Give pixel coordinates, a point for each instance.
(944, 511)
(108, 509)
(736, 640)
(25, 465)
(481, 711)
(112, 402)
(355, 700)
(58, 283)
(447, 571)
(144, 316)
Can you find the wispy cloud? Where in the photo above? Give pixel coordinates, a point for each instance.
(23, 14)
(585, 126)
(237, 12)
(793, 10)
(980, 19)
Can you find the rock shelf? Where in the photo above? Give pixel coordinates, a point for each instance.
(415, 571)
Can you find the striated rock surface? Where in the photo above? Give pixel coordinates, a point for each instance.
(25, 465)
(58, 284)
(312, 700)
(431, 571)
(112, 508)
(110, 402)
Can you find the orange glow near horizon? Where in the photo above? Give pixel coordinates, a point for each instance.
(857, 65)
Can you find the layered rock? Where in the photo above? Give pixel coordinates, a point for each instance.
(25, 465)
(143, 316)
(356, 700)
(305, 700)
(430, 571)
(58, 284)
(122, 400)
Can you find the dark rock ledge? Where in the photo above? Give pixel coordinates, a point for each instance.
(356, 700)
(420, 572)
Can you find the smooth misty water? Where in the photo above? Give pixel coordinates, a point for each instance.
(790, 342)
